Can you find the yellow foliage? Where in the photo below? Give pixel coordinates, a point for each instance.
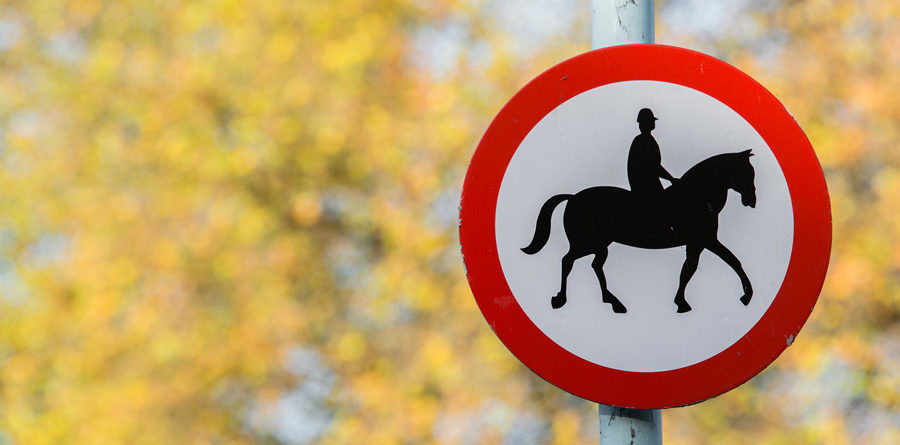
(193, 190)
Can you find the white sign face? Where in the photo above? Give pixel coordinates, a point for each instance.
(585, 143)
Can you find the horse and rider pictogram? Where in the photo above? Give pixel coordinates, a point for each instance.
(649, 216)
(564, 170)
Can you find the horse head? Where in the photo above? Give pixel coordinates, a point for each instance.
(742, 178)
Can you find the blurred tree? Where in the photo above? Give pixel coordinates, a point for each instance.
(228, 221)
(231, 221)
(836, 66)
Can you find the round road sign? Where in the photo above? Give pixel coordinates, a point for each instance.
(645, 226)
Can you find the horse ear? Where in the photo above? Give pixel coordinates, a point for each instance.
(747, 152)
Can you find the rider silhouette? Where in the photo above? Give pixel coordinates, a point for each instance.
(644, 160)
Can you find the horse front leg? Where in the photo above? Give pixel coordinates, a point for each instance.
(722, 252)
(608, 297)
(687, 271)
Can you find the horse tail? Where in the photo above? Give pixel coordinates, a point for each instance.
(542, 228)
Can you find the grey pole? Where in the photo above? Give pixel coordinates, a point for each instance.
(617, 22)
(621, 426)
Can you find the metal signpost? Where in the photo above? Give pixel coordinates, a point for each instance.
(644, 226)
(619, 22)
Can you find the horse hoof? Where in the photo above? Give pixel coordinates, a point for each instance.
(558, 301)
(682, 308)
(617, 305)
(746, 299)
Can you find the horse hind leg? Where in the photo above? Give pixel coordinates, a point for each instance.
(608, 297)
(559, 300)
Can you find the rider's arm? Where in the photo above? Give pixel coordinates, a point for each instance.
(665, 175)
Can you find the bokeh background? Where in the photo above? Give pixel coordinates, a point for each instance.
(232, 221)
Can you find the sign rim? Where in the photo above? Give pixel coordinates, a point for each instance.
(757, 348)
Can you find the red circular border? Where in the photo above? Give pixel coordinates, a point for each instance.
(715, 375)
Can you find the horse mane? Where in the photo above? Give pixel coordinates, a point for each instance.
(714, 164)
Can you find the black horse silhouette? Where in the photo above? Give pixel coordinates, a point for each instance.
(684, 214)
